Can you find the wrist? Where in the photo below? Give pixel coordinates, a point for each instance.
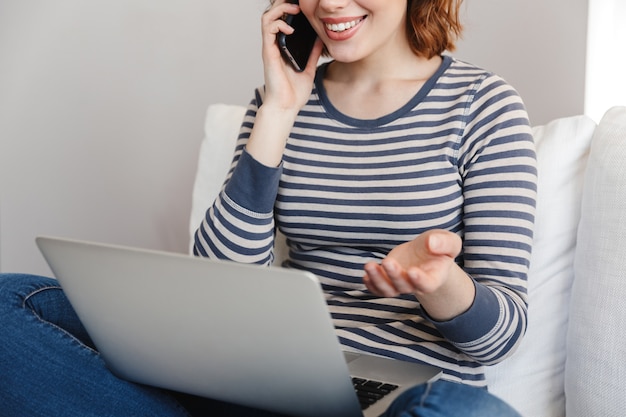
(452, 299)
(272, 126)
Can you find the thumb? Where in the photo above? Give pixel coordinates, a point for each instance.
(443, 242)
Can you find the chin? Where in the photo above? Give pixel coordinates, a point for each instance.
(343, 56)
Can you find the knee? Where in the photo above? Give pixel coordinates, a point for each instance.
(443, 398)
(15, 288)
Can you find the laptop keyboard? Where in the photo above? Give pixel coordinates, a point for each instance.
(370, 391)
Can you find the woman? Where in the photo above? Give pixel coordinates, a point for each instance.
(390, 152)
(403, 178)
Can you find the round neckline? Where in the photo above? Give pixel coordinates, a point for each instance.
(383, 120)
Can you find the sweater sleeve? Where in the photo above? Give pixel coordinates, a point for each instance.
(239, 226)
(497, 163)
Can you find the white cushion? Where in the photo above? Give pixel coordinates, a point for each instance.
(595, 374)
(221, 128)
(532, 379)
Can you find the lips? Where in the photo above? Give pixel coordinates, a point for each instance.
(340, 29)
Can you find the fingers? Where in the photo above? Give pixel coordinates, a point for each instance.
(387, 279)
(272, 20)
(376, 281)
(272, 24)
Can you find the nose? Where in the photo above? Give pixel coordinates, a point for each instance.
(332, 5)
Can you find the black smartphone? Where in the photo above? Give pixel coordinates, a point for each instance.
(296, 48)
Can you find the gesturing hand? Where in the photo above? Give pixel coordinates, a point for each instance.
(426, 268)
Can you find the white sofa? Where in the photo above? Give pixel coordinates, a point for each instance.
(573, 359)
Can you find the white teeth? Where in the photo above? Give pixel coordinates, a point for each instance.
(340, 27)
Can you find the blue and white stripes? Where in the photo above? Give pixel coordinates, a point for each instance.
(459, 156)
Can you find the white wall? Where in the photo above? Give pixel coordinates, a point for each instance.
(102, 104)
(605, 82)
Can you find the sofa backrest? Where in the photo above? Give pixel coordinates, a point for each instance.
(595, 371)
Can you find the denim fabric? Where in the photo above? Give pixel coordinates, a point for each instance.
(49, 367)
(448, 399)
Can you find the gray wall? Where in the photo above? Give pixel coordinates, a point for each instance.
(102, 104)
(539, 46)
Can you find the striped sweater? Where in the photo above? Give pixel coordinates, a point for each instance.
(458, 156)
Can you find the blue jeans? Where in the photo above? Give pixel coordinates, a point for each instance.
(49, 367)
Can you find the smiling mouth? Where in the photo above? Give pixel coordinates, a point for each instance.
(340, 27)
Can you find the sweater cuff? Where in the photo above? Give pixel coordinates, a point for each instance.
(478, 321)
(254, 186)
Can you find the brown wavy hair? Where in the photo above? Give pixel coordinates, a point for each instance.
(433, 26)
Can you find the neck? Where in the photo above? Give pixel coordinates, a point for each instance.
(370, 91)
(381, 71)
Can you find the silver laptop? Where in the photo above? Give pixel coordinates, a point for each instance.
(251, 335)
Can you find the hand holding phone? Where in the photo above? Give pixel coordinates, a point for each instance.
(296, 48)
